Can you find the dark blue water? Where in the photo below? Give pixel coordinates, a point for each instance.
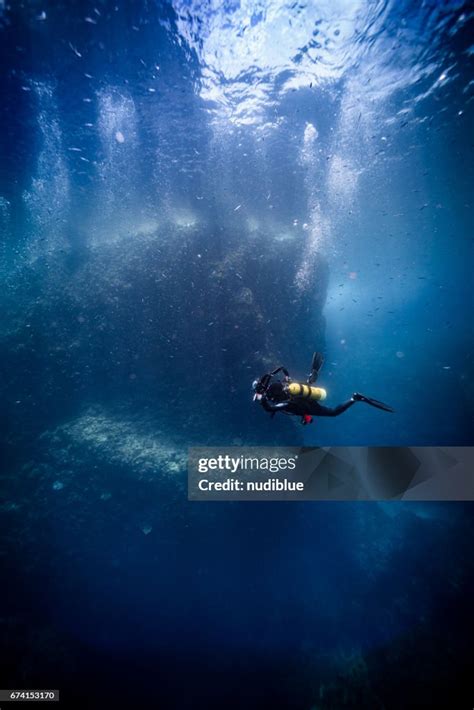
(190, 195)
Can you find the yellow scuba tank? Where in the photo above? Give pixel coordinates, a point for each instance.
(295, 389)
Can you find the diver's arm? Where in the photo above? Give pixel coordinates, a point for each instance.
(273, 406)
(280, 369)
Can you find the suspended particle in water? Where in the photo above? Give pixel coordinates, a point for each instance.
(76, 51)
(57, 486)
(119, 137)
(353, 275)
(400, 354)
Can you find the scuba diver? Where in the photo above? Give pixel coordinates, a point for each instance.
(302, 400)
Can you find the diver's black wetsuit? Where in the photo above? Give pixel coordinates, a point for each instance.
(274, 396)
(274, 400)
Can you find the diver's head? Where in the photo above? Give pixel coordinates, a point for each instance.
(258, 386)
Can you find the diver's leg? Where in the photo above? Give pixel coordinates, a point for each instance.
(321, 411)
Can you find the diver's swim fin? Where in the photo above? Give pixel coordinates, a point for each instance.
(373, 402)
(316, 365)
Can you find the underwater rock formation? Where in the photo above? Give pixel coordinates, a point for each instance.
(175, 320)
